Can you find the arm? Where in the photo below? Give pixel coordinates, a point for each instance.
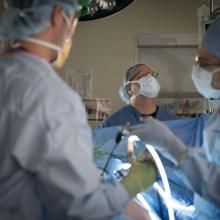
(203, 175)
(58, 154)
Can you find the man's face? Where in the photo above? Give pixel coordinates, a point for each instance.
(210, 63)
(139, 73)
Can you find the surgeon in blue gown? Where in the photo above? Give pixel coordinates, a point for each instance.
(139, 90)
(47, 170)
(198, 167)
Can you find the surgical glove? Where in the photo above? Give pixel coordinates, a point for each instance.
(142, 174)
(155, 133)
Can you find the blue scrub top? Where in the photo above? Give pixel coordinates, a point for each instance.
(129, 114)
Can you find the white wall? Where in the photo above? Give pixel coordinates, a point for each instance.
(107, 45)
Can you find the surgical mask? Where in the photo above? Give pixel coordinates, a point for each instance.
(149, 87)
(63, 56)
(202, 80)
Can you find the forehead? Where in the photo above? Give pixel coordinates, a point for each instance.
(140, 72)
(203, 55)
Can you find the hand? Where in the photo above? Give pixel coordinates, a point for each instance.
(142, 174)
(155, 133)
(135, 212)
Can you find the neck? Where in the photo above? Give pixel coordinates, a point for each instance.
(40, 50)
(144, 106)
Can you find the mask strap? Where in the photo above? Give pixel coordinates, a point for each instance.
(66, 19)
(44, 44)
(133, 97)
(216, 70)
(70, 25)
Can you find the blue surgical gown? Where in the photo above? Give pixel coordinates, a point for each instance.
(202, 168)
(46, 163)
(129, 114)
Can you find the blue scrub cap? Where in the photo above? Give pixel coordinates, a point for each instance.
(127, 78)
(211, 40)
(23, 18)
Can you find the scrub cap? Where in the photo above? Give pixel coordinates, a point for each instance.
(127, 78)
(211, 40)
(23, 18)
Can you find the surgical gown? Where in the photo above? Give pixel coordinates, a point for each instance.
(202, 167)
(46, 163)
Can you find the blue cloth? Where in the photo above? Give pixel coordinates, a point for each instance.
(121, 217)
(205, 210)
(129, 114)
(190, 131)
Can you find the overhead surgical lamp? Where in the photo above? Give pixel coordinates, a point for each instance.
(102, 8)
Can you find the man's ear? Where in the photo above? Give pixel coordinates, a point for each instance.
(129, 90)
(56, 17)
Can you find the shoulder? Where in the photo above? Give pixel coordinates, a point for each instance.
(35, 85)
(117, 118)
(165, 115)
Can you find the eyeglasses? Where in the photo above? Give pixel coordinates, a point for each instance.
(207, 65)
(79, 12)
(153, 73)
(70, 22)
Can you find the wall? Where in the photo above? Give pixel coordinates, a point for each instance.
(107, 45)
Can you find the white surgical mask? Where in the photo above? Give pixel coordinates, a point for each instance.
(149, 87)
(202, 80)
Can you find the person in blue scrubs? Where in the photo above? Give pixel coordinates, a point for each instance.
(139, 90)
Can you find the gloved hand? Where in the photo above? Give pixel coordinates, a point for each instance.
(155, 133)
(142, 174)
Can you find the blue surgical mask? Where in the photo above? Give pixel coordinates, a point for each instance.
(202, 80)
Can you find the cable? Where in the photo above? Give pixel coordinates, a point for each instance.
(163, 175)
(164, 180)
(118, 138)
